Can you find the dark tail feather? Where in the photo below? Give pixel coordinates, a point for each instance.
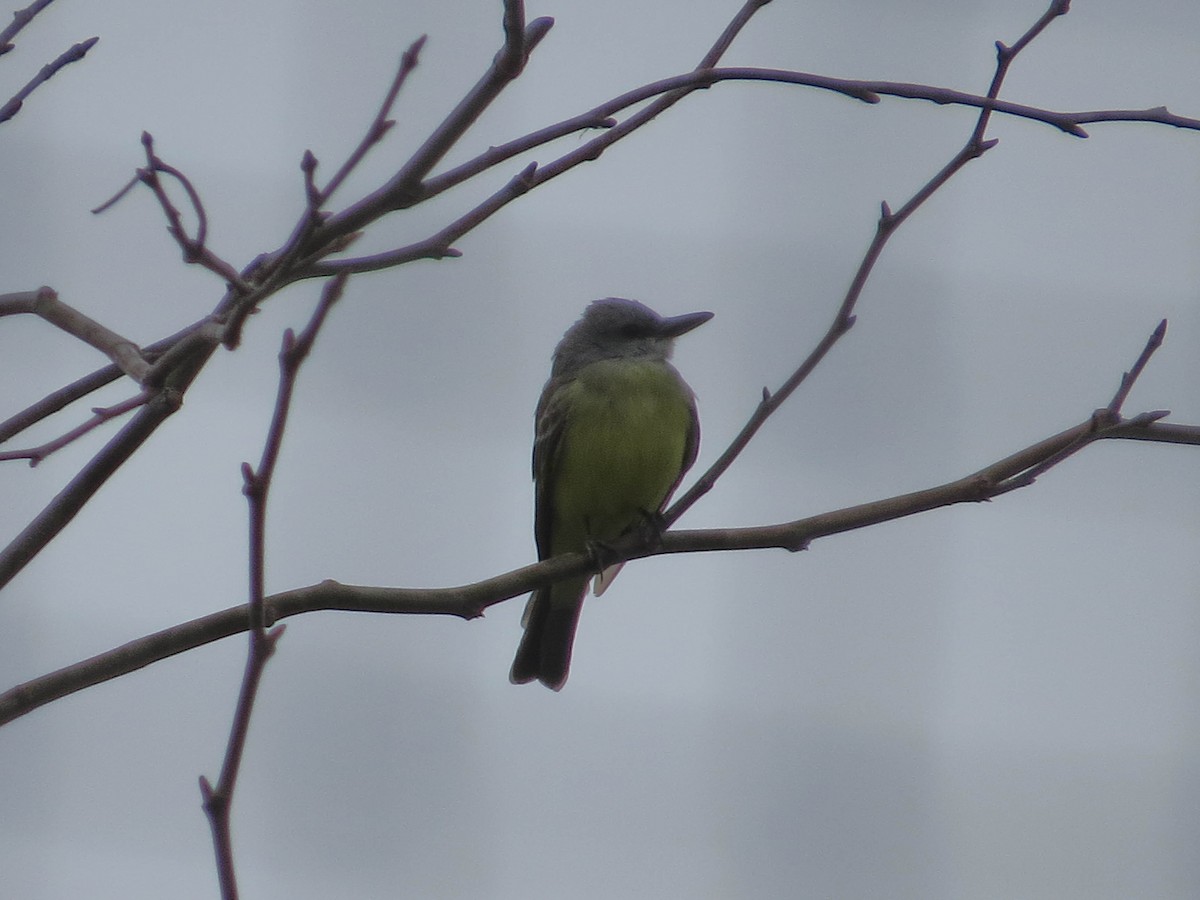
(545, 649)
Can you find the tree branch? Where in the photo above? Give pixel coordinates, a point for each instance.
(843, 319)
(410, 185)
(74, 53)
(65, 396)
(44, 303)
(669, 91)
(21, 18)
(100, 415)
(71, 499)
(470, 601)
(404, 188)
(257, 487)
(438, 246)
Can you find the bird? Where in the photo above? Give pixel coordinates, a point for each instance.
(614, 433)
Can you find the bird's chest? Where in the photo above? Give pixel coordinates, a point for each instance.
(624, 441)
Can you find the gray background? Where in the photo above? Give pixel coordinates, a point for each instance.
(991, 701)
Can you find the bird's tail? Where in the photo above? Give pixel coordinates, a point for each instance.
(550, 619)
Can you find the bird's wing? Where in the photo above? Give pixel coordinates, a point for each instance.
(549, 426)
(691, 447)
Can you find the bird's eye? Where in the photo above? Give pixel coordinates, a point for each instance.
(630, 330)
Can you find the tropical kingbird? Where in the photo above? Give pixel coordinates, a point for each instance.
(614, 433)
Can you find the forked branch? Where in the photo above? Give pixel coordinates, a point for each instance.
(257, 486)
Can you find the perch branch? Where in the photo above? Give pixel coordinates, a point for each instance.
(470, 601)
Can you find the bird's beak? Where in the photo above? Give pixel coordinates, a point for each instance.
(674, 326)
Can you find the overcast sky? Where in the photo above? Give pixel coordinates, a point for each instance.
(992, 701)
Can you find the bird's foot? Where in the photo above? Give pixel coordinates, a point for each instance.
(601, 554)
(651, 528)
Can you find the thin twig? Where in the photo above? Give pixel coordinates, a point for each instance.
(391, 196)
(403, 187)
(74, 53)
(868, 91)
(76, 390)
(21, 18)
(195, 249)
(1005, 55)
(46, 525)
(519, 41)
(865, 90)
(843, 319)
(100, 415)
(381, 123)
(1102, 421)
(1128, 378)
(512, 56)
(257, 486)
(436, 246)
(119, 195)
(316, 197)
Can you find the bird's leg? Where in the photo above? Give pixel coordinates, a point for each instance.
(600, 553)
(651, 528)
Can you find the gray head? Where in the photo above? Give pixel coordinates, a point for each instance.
(615, 328)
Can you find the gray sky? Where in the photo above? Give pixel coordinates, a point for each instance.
(990, 701)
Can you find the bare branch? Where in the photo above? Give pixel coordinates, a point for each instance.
(867, 91)
(985, 484)
(1159, 433)
(670, 90)
(390, 198)
(72, 54)
(63, 397)
(44, 303)
(437, 246)
(732, 30)
(100, 415)
(512, 56)
(46, 525)
(402, 189)
(21, 18)
(843, 319)
(316, 197)
(470, 601)
(507, 65)
(195, 249)
(1128, 379)
(1005, 55)
(380, 125)
(257, 486)
(1102, 424)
